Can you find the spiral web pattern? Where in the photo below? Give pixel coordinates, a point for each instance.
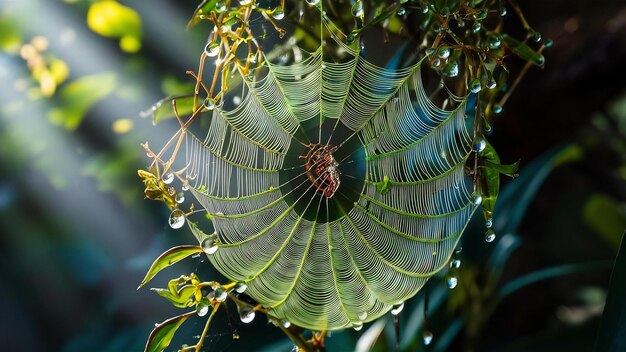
(403, 226)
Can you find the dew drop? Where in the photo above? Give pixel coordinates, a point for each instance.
(362, 316)
(357, 9)
(220, 6)
(489, 223)
(477, 199)
(209, 104)
(202, 308)
(357, 325)
(241, 287)
(401, 11)
(455, 263)
(171, 191)
(210, 245)
(246, 315)
(212, 49)
(236, 100)
(548, 43)
(180, 197)
(177, 219)
(436, 62)
(502, 11)
(497, 108)
(252, 58)
(444, 53)
(220, 294)
(452, 281)
(495, 43)
(313, 2)
(427, 337)
(278, 13)
(480, 15)
(167, 178)
(475, 86)
(185, 186)
(425, 9)
(452, 69)
(476, 27)
(535, 36)
(491, 84)
(490, 236)
(460, 23)
(285, 324)
(397, 308)
(481, 144)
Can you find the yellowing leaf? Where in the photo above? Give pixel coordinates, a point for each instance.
(111, 19)
(79, 96)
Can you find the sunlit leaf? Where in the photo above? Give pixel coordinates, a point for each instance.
(79, 96)
(180, 298)
(10, 36)
(111, 19)
(205, 7)
(522, 50)
(162, 335)
(169, 257)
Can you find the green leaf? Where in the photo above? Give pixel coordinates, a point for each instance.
(204, 8)
(489, 179)
(164, 109)
(602, 213)
(612, 333)
(522, 50)
(509, 170)
(162, 335)
(79, 96)
(168, 258)
(180, 298)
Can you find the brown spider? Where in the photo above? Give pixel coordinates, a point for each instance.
(322, 168)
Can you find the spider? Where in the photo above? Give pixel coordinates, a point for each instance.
(322, 168)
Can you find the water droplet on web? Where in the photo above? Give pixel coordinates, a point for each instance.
(424, 9)
(156, 325)
(477, 199)
(180, 197)
(491, 84)
(502, 11)
(357, 325)
(202, 308)
(357, 9)
(313, 2)
(362, 316)
(495, 43)
(436, 62)
(490, 236)
(455, 263)
(285, 324)
(168, 177)
(210, 245)
(475, 86)
(535, 36)
(489, 223)
(452, 69)
(548, 43)
(209, 104)
(452, 281)
(241, 287)
(497, 108)
(278, 13)
(220, 6)
(236, 100)
(401, 11)
(444, 53)
(177, 219)
(481, 144)
(476, 27)
(246, 315)
(212, 49)
(397, 308)
(427, 337)
(220, 294)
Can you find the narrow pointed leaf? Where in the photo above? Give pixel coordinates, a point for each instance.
(162, 335)
(168, 258)
(523, 51)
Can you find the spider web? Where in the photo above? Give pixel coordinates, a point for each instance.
(331, 263)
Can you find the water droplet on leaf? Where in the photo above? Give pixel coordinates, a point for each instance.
(476, 27)
(401, 11)
(477, 199)
(481, 144)
(357, 9)
(452, 69)
(444, 53)
(177, 219)
(475, 86)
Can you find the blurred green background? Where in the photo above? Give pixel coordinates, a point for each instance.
(77, 235)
